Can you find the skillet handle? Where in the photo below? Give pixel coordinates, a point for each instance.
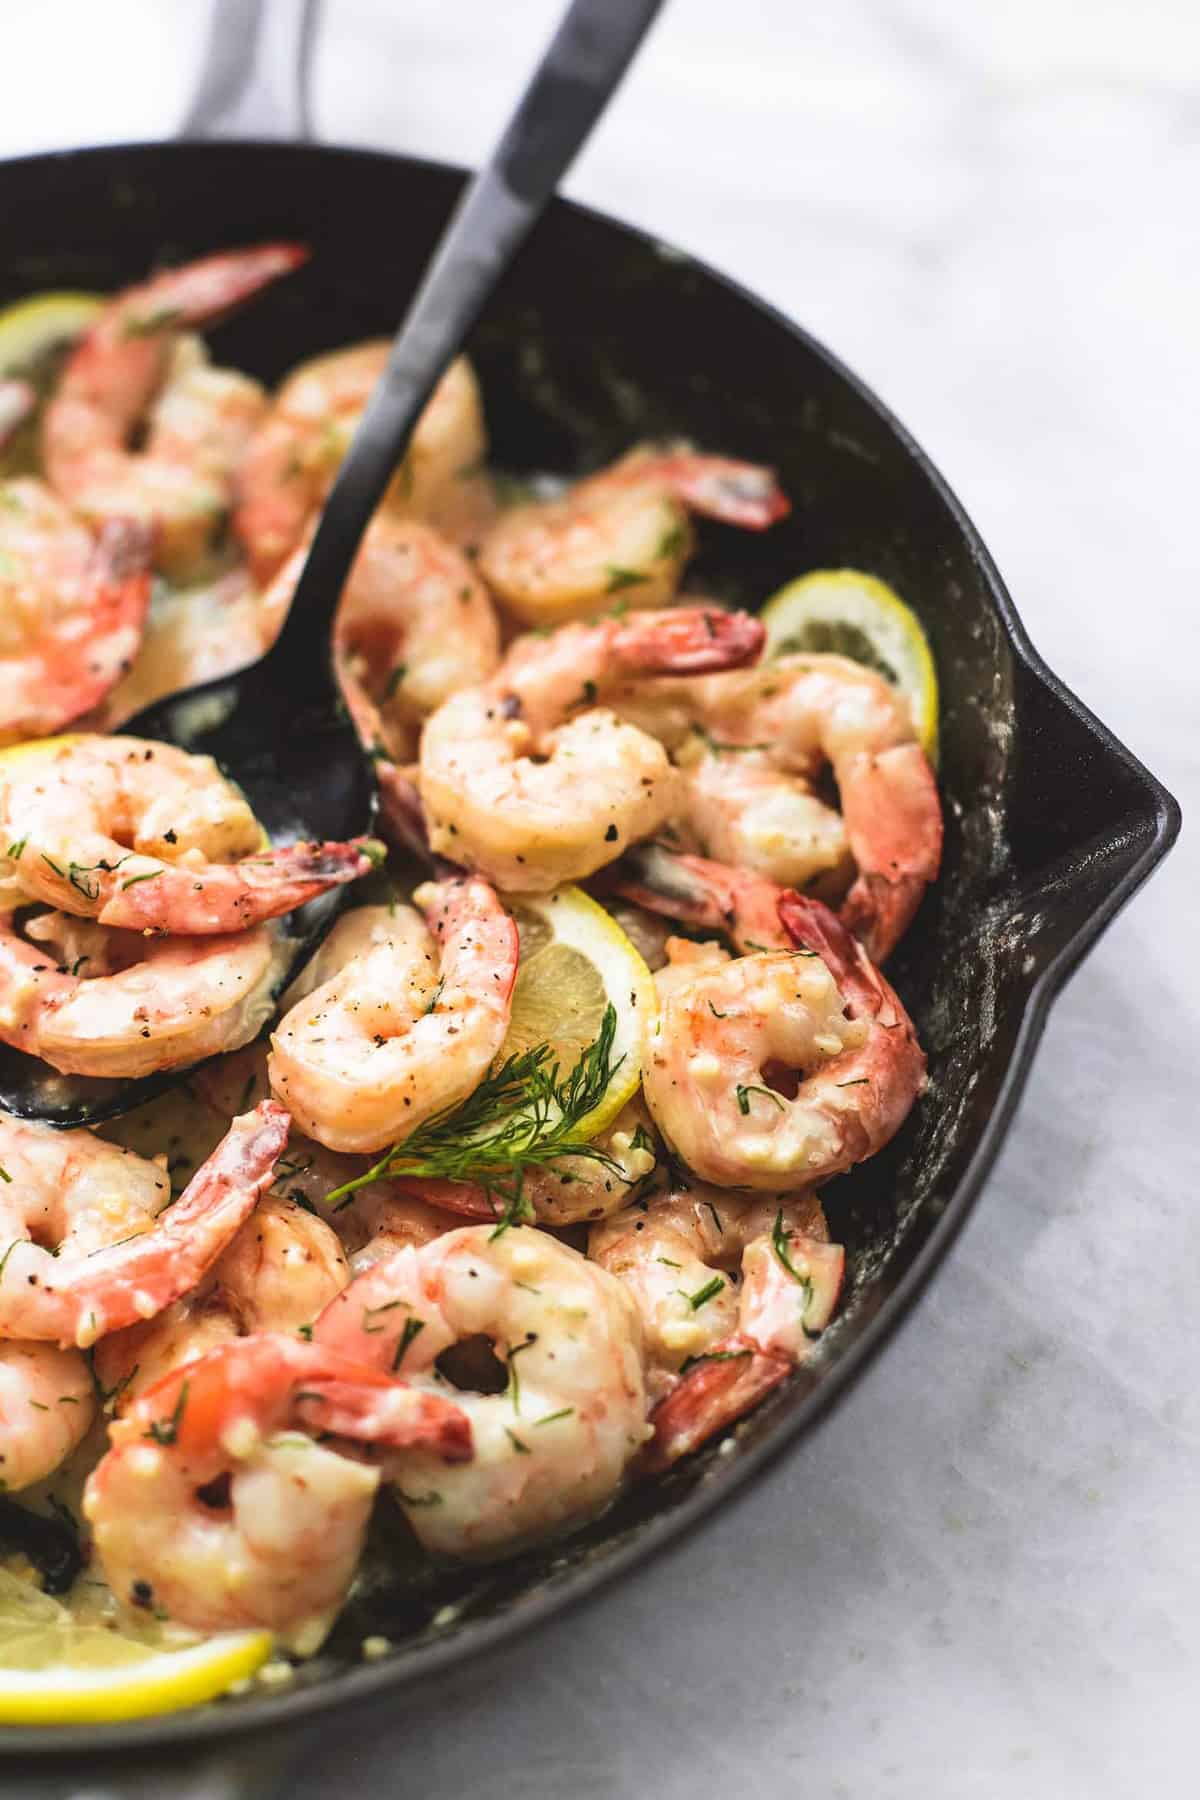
(256, 76)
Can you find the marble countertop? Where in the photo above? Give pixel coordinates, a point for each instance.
(979, 1577)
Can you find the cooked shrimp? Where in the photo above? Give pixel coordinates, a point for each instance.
(213, 1506)
(786, 721)
(132, 832)
(405, 1029)
(293, 458)
(204, 417)
(192, 634)
(680, 1253)
(552, 1447)
(73, 1270)
(131, 1004)
(784, 1066)
(532, 782)
(47, 1404)
(72, 609)
(622, 531)
(107, 389)
(414, 625)
(281, 1270)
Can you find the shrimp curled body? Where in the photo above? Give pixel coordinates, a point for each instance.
(531, 779)
(782, 1067)
(553, 1446)
(406, 1028)
(216, 1506)
(136, 834)
(72, 610)
(73, 1268)
(107, 389)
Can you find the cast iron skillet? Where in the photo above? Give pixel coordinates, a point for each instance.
(599, 337)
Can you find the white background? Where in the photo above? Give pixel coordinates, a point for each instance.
(980, 1578)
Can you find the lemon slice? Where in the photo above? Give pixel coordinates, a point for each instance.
(859, 616)
(34, 331)
(57, 1668)
(575, 961)
(34, 336)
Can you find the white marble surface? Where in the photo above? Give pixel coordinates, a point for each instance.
(980, 1578)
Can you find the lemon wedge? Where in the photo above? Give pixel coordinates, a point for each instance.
(575, 961)
(34, 336)
(60, 1667)
(34, 331)
(859, 616)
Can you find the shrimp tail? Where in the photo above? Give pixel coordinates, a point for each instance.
(700, 893)
(201, 292)
(466, 1198)
(736, 493)
(395, 1415)
(712, 1394)
(251, 891)
(691, 640)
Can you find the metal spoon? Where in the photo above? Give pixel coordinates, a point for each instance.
(277, 727)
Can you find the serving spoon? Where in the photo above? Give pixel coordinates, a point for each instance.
(278, 727)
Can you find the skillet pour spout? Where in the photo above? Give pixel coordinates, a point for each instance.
(596, 339)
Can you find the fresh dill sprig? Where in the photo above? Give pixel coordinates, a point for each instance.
(523, 1115)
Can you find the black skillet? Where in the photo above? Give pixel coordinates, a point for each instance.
(599, 337)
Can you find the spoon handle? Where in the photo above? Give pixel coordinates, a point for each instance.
(589, 53)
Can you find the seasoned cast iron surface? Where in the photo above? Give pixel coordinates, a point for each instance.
(600, 338)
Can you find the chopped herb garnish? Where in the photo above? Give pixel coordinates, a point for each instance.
(16, 849)
(520, 1448)
(861, 1081)
(412, 1328)
(165, 1431)
(305, 1331)
(782, 1249)
(715, 1013)
(671, 542)
(524, 1115)
(618, 578)
(744, 1093)
(132, 880)
(435, 997)
(4, 1174)
(564, 1412)
(704, 1294)
(720, 748)
(432, 1498)
(394, 679)
(588, 696)
(716, 1216)
(514, 1384)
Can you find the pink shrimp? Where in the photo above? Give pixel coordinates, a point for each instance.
(623, 530)
(60, 1293)
(136, 833)
(72, 609)
(531, 779)
(405, 1029)
(215, 1506)
(109, 382)
(715, 1346)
